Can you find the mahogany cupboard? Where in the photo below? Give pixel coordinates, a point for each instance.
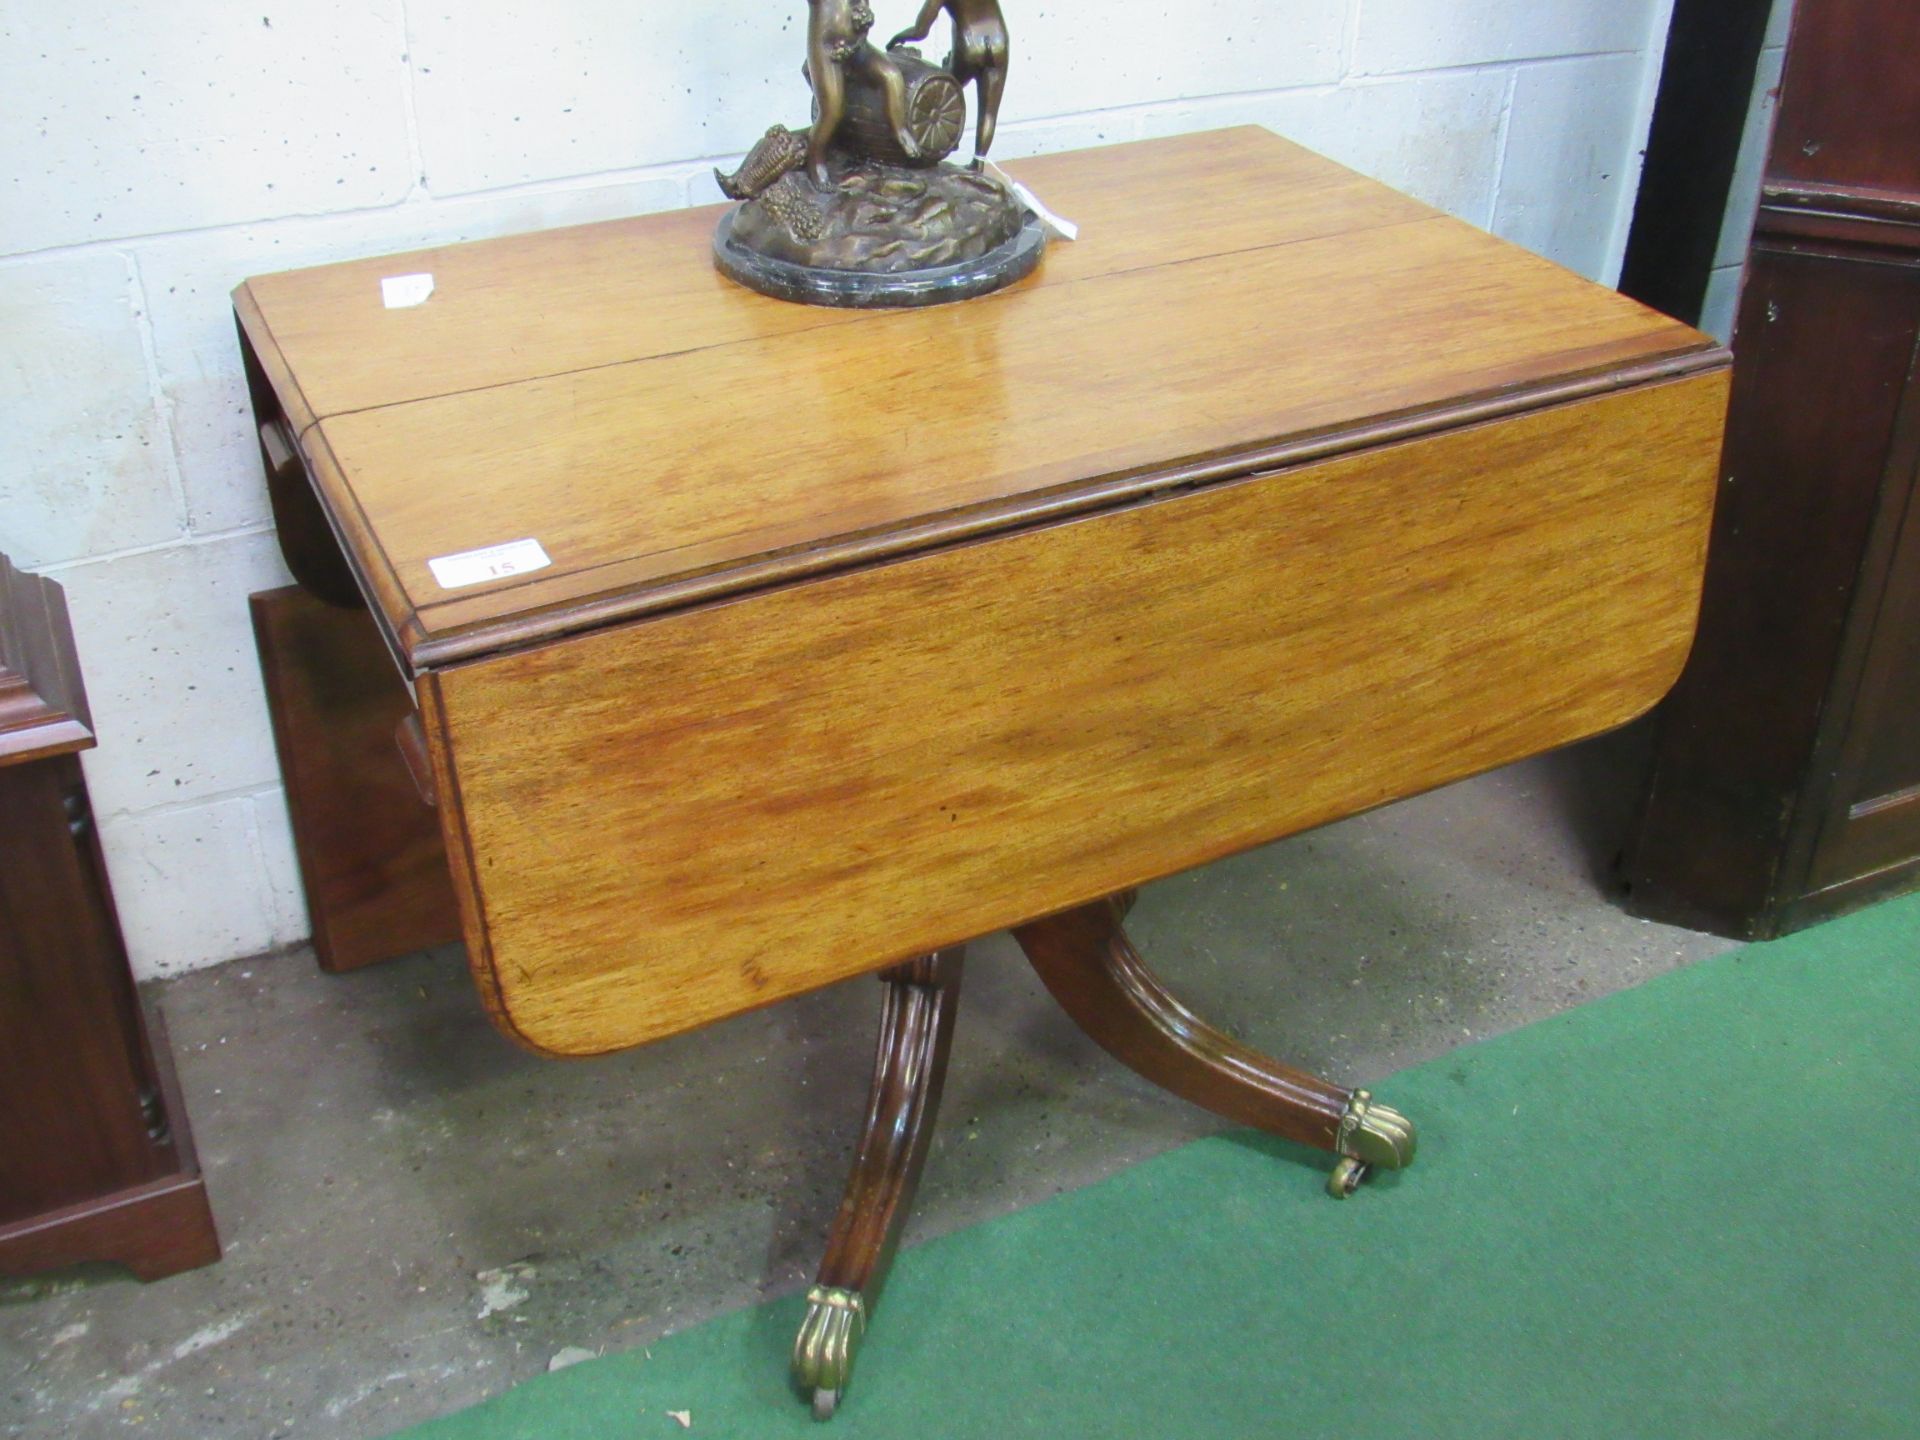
(1786, 778)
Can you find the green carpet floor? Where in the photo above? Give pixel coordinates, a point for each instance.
(1689, 1210)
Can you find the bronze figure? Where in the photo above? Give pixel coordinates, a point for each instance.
(980, 54)
(858, 208)
(836, 43)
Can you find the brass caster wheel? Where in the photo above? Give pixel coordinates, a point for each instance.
(1346, 1177)
(825, 1402)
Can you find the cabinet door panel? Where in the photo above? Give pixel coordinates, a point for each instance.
(1874, 822)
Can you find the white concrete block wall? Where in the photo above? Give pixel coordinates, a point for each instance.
(152, 156)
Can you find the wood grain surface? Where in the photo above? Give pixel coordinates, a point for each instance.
(667, 436)
(526, 306)
(669, 821)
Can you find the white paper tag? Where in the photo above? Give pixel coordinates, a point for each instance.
(1058, 224)
(495, 562)
(403, 292)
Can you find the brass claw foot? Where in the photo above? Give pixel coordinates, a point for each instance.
(823, 1351)
(1371, 1135)
(1376, 1134)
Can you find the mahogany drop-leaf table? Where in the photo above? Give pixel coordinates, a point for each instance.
(744, 646)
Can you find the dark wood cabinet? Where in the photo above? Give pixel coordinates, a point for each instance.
(95, 1161)
(1786, 778)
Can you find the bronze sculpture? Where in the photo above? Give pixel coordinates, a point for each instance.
(859, 208)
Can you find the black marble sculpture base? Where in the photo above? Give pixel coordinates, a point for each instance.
(1011, 260)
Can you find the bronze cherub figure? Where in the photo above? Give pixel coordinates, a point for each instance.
(979, 54)
(836, 42)
(859, 208)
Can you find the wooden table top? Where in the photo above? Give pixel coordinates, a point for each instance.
(1235, 303)
(1281, 494)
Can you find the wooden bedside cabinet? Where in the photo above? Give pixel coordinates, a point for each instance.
(97, 1162)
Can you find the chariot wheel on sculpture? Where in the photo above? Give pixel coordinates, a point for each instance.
(937, 114)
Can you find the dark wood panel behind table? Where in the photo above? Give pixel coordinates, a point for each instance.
(1849, 98)
(1809, 432)
(1786, 777)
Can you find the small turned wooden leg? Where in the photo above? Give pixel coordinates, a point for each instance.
(910, 1065)
(1085, 959)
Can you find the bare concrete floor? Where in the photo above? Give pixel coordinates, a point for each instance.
(417, 1215)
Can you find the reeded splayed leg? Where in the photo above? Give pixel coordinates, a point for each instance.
(910, 1065)
(1085, 959)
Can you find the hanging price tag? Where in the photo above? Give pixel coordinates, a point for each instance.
(1058, 224)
